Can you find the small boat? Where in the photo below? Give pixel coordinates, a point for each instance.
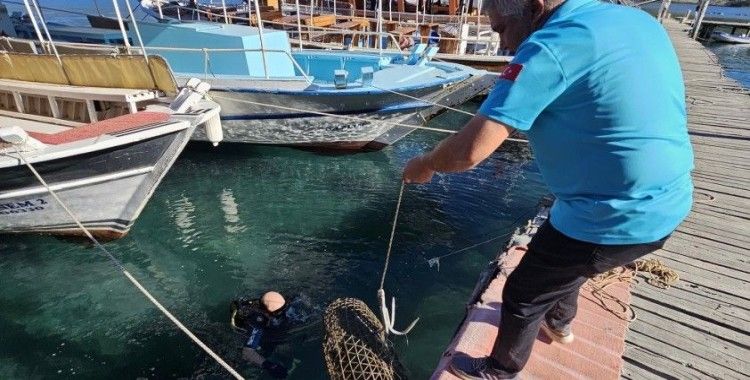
(100, 137)
(191, 10)
(730, 38)
(272, 94)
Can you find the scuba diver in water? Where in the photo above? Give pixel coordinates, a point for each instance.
(262, 320)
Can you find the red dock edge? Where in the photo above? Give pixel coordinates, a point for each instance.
(599, 342)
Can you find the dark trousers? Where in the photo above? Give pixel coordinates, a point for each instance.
(546, 284)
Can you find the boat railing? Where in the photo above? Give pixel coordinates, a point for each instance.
(450, 45)
(207, 62)
(134, 50)
(230, 18)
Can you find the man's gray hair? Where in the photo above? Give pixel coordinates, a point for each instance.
(507, 7)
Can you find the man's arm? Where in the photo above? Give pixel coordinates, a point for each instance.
(464, 150)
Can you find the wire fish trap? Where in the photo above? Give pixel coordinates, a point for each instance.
(355, 346)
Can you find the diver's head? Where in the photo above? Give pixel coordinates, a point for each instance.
(272, 301)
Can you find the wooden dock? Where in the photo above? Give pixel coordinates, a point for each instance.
(700, 328)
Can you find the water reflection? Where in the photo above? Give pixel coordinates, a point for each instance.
(231, 213)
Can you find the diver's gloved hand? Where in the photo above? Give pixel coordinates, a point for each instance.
(276, 370)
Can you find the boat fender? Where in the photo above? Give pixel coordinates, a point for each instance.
(340, 78)
(214, 132)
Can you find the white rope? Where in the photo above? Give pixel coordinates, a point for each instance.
(354, 118)
(393, 234)
(121, 25)
(426, 101)
(389, 316)
(127, 274)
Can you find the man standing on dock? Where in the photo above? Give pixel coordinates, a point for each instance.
(598, 90)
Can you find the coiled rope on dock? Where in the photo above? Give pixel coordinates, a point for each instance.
(126, 273)
(659, 275)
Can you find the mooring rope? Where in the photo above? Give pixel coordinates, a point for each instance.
(389, 316)
(393, 234)
(126, 273)
(425, 100)
(599, 285)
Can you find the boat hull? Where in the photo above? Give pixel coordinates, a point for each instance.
(106, 189)
(334, 121)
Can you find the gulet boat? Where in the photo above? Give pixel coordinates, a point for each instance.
(272, 94)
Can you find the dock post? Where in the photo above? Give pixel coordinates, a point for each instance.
(703, 7)
(663, 10)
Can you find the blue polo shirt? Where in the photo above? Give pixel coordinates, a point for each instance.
(599, 92)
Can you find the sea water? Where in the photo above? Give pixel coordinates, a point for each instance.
(239, 220)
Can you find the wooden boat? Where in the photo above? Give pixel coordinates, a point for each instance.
(102, 139)
(272, 94)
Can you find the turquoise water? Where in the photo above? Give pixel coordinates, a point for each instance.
(239, 220)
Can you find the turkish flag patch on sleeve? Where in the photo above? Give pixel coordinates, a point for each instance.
(511, 71)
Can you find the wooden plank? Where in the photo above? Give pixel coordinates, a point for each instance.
(648, 304)
(678, 354)
(687, 300)
(662, 366)
(720, 250)
(719, 362)
(696, 341)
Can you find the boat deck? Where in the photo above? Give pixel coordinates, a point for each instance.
(698, 328)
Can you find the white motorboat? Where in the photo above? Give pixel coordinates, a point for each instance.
(730, 38)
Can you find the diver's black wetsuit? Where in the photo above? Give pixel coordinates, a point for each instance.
(250, 315)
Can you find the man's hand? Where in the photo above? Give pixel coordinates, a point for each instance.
(460, 152)
(417, 170)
